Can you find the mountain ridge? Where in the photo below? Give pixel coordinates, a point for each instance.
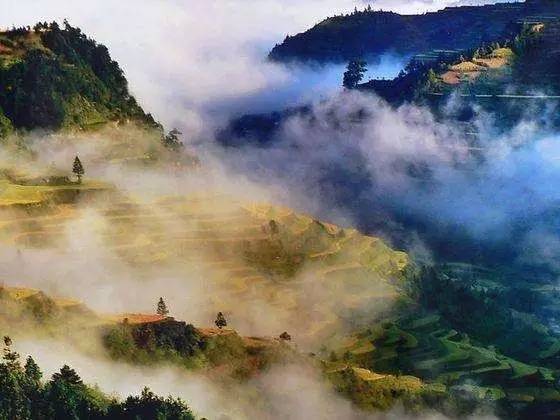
(368, 34)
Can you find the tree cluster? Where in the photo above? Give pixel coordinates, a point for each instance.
(47, 87)
(23, 396)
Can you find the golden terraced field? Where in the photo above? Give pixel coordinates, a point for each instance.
(311, 275)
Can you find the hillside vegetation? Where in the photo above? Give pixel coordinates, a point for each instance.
(448, 338)
(24, 395)
(53, 78)
(457, 337)
(369, 33)
(250, 252)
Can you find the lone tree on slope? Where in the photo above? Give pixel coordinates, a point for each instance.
(162, 308)
(285, 336)
(172, 140)
(220, 321)
(78, 169)
(354, 73)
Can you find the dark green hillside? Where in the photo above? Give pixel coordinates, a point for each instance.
(505, 78)
(473, 338)
(53, 77)
(370, 33)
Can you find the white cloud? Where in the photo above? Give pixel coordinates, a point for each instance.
(191, 59)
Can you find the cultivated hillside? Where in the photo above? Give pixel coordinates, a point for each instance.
(247, 252)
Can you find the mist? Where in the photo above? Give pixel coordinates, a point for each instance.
(404, 165)
(291, 391)
(196, 66)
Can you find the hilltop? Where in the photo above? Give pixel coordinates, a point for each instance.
(56, 77)
(369, 34)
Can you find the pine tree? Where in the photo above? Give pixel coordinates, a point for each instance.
(162, 308)
(78, 169)
(32, 370)
(11, 357)
(220, 321)
(67, 375)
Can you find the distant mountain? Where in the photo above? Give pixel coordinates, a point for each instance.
(56, 77)
(371, 33)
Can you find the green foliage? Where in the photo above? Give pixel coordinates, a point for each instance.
(172, 140)
(78, 168)
(64, 79)
(152, 342)
(162, 308)
(150, 406)
(5, 125)
(24, 397)
(220, 321)
(483, 312)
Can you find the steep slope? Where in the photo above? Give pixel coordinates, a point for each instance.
(52, 78)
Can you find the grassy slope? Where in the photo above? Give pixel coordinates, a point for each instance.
(237, 245)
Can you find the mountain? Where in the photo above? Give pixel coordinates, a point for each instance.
(55, 78)
(503, 77)
(369, 34)
(471, 332)
(382, 330)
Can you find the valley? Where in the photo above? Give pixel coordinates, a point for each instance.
(387, 250)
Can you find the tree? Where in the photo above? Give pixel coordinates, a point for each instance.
(32, 370)
(78, 169)
(274, 229)
(150, 406)
(162, 308)
(67, 375)
(354, 73)
(11, 357)
(172, 141)
(65, 396)
(220, 321)
(285, 336)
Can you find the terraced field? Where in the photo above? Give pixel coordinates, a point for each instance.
(310, 276)
(423, 346)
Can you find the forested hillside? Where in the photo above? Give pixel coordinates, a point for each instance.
(370, 33)
(25, 394)
(56, 77)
